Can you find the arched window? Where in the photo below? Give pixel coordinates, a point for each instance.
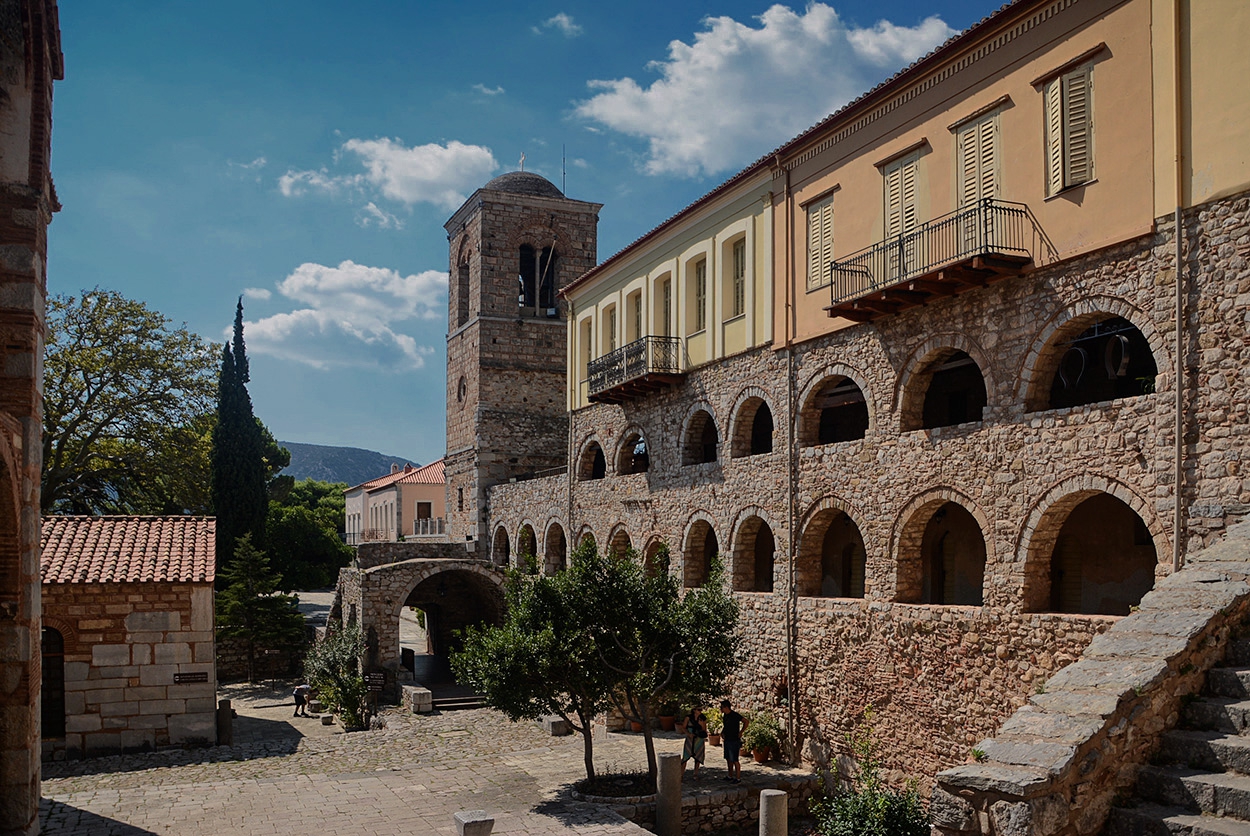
(1103, 560)
(501, 548)
(556, 558)
(955, 393)
(702, 440)
(762, 431)
(701, 549)
(832, 560)
(52, 695)
(527, 549)
(633, 456)
(953, 558)
(1110, 359)
(752, 429)
(621, 544)
(593, 464)
(754, 557)
(536, 279)
(834, 412)
(462, 291)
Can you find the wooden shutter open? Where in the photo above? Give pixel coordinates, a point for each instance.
(1077, 128)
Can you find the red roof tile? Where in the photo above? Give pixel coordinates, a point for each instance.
(128, 549)
(431, 474)
(383, 481)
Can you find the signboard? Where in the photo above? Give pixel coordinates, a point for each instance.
(184, 678)
(375, 681)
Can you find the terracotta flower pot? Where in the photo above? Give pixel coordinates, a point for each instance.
(760, 755)
(713, 739)
(634, 725)
(667, 723)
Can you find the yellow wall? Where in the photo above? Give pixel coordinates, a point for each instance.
(1117, 204)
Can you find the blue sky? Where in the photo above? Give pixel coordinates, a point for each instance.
(306, 154)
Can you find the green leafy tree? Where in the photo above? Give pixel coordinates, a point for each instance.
(127, 409)
(306, 551)
(250, 610)
(543, 659)
(659, 643)
(240, 472)
(332, 667)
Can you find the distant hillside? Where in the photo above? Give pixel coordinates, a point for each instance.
(338, 464)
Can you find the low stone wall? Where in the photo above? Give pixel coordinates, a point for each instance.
(369, 555)
(1058, 763)
(732, 807)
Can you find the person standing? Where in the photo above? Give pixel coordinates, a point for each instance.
(694, 727)
(731, 739)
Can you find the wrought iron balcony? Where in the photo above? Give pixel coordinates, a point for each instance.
(968, 248)
(633, 370)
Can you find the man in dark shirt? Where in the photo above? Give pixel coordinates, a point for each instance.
(734, 725)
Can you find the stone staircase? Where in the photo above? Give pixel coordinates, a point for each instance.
(1199, 781)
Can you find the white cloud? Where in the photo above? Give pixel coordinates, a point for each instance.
(563, 23)
(739, 90)
(351, 316)
(259, 162)
(256, 293)
(488, 91)
(371, 215)
(437, 174)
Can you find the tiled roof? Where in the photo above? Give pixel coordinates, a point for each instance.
(383, 481)
(431, 474)
(128, 549)
(838, 117)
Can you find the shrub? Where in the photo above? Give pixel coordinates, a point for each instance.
(869, 807)
(715, 720)
(762, 732)
(332, 667)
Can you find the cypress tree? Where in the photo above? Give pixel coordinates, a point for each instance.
(240, 498)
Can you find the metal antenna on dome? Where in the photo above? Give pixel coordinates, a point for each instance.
(563, 170)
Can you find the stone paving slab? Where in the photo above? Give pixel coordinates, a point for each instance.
(294, 776)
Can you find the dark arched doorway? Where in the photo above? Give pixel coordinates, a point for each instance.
(435, 614)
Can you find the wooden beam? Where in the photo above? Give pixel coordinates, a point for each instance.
(897, 294)
(1006, 265)
(933, 287)
(845, 311)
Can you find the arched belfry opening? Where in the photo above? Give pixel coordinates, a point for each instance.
(435, 615)
(536, 276)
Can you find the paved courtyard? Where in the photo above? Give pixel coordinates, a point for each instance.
(294, 776)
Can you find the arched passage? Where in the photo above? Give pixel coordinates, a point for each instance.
(501, 547)
(1092, 357)
(754, 556)
(447, 601)
(651, 558)
(941, 556)
(700, 550)
(592, 464)
(620, 544)
(752, 428)
(835, 410)
(1090, 553)
(701, 441)
(633, 456)
(555, 555)
(527, 549)
(832, 559)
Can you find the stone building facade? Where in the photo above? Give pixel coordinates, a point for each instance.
(932, 492)
(129, 648)
(30, 60)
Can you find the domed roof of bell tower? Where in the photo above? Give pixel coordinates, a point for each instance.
(524, 182)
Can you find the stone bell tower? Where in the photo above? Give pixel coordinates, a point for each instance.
(513, 244)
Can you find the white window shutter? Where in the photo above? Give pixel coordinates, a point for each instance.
(1054, 137)
(819, 242)
(893, 200)
(987, 163)
(910, 170)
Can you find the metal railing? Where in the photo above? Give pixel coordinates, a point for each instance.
(429, 527)
(649, 355)
(987, 228)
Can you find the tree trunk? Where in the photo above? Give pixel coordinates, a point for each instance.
(588, 745)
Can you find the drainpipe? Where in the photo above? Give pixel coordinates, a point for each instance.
(1179, 475)
(570, 543)
(791, 620)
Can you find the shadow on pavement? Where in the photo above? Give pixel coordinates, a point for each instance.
(60, 819)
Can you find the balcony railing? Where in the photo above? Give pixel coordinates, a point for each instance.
(968, 248)
(643, 366)
(429, 527)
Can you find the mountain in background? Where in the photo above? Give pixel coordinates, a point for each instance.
(338, 464)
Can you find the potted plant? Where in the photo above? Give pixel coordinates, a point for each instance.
(715, 724)
(762, 736)
(668, 715)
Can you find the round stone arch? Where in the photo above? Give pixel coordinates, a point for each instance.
(694, 540)
(484, 581)
(501, 547)
(1041, 362)
(539, 237)
(742, 421)
(690, 434)
(1037, 538)
(913, 384)
(526, 541)
(908, 538)
(587, 533)
(619, 542)
(555, 547)
(807, 420)
(650, 553)
(625, 462)
(68, 630)
(751, 569)
(814, 524)
(587, 467)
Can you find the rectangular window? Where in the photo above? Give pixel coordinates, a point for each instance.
(637, 330)
(739, 278)
(976, 152)
(819, 242)
(425, 510)
(612, 329)
(1069, 130)
(667, 328)
(901, 217)
(700, 295)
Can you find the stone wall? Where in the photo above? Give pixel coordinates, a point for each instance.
(730, 808)
(126, 648)
(941, 676)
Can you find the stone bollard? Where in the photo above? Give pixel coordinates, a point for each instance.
(668, 796)
(774, 812)
(473, 823)
(225, 723)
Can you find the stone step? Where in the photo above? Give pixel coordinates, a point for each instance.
(1238, 652)
(1229, 682)
(1226, 714)
(1153, 820)
(457, 703)
(1211, 750)
(1197, 791)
